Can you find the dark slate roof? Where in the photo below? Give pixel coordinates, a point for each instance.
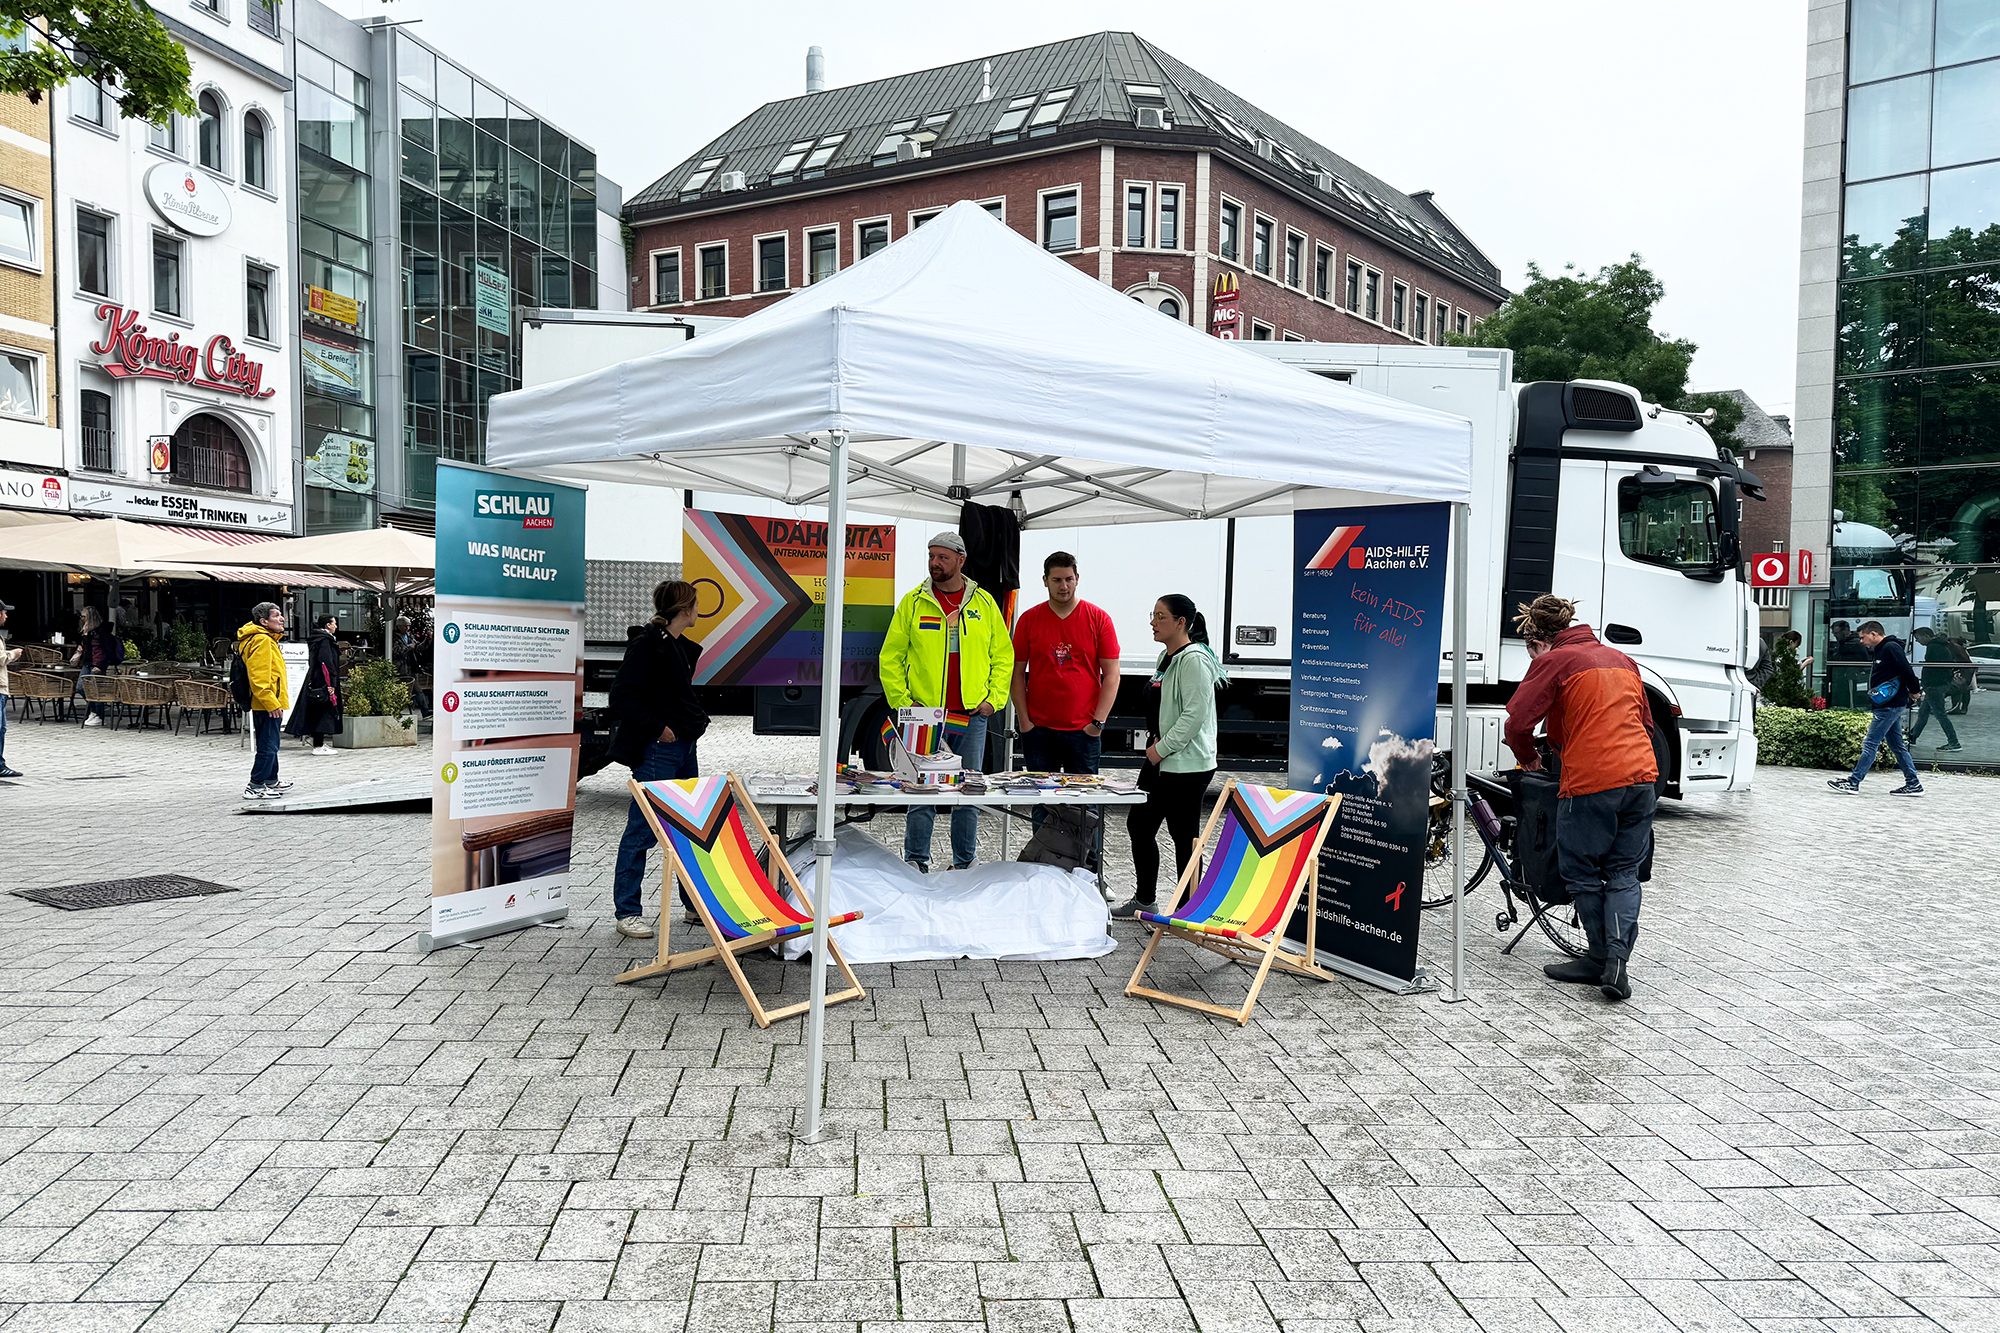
(1098, 66)
(1759, 429)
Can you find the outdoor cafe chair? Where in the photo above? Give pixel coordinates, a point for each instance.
(42, 689)
(698, 823)
(204, 700)
(40, 655)
(140, 696)
(98, 688)
(1262, 857)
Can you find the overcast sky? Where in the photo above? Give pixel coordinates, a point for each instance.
(1551, 132)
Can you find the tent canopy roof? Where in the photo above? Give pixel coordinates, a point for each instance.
(964, 354)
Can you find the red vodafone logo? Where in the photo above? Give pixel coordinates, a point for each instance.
(451, 701)
(1769, 571)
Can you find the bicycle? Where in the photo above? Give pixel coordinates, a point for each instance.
(1558, 920)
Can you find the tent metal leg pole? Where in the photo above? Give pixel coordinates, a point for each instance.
(829, 741)
(1460, 563)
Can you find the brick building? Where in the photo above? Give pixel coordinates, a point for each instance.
(30, 440)
(1104, 149)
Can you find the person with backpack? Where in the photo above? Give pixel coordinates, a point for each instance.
(657, 720)
(263, 684)
(1181, 716)
(1892, 688)
(319, 713)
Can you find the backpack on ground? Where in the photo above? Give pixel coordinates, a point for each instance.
(1065, 840)
(239, 681)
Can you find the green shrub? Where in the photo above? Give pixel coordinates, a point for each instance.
(372, 690)
(1813, 738)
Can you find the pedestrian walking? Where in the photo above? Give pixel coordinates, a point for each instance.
(1065, 676)
(7, 656)
(947, 647)
(98, 649)
(1180, 757)
(270, 695)
(318, 715)
(1601, 729)
(1892, 688)
(1938, 673)
(656, 721)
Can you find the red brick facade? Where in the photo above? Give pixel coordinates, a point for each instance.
(1102, 174)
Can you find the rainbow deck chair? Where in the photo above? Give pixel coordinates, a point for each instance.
(699, 825)
(1266, 855)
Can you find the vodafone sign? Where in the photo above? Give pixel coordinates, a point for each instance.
(1770, 571)
(189, 199)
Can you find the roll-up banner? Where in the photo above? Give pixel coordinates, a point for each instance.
(1368, 606)
(508, 672)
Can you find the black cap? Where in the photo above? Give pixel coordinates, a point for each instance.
(5, 606)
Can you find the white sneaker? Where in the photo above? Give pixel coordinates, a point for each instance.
(325, 749)
(634, 928)
(93, 721)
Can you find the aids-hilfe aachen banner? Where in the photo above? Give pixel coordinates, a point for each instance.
(508, 672)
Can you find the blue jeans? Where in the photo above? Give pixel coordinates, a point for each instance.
(3, 725)
(1942, 713)
(970, 747)
(1601, 840)
(264, 768)
(664, 761)
(1044, 750)
(1886, 725)
(97, 710)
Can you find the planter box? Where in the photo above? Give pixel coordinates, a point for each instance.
(364, 733)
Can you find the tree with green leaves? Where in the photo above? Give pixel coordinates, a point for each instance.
(1786, 685)
(119, 43)
(1566, 326)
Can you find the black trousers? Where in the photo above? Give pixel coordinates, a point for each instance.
(1176, 802)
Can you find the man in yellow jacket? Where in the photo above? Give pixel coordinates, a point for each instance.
(948, 647)
(270, 695)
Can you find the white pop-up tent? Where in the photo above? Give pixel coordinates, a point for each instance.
(962, 363)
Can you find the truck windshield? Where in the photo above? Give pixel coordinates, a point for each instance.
(1669, 522)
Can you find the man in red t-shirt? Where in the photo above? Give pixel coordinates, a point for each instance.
(1065, 675)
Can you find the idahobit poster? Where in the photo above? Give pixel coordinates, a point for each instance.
(508, 671)
(1368, 606)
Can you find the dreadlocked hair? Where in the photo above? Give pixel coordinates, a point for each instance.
(1545, 617)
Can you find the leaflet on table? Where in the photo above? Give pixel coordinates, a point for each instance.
(497, 781)
(488, 710)
(494, 641)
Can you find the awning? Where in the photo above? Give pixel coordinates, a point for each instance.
(225, 574)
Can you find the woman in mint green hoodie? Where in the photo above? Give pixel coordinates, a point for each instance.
(1180, 709)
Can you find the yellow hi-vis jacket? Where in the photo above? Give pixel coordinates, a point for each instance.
(915, 651)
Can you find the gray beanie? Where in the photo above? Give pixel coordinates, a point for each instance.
(951, 541)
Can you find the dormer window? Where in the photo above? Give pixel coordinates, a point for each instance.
(793, 156)
(701, 174)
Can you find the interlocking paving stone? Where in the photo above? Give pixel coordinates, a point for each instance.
(263, 1110)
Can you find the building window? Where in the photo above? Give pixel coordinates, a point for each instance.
(1260, 258)
(871, 237)
(1013, 117)
(919, 219)
(1059, 221)
(95, 411)
(702, 172)
(1170, 218)
(209, 6)
(822, 153)
(1443, 323)
(667, 277)
(93, 252)
(1136, 201)
(1464, 323)
(207, 453)
(257, 301)
(1295, 259)
(1399, 301)
(1259, 332)
(1170, 307)
(20, 230)
(1372, 290)
(167, 254)
(822, 255)
(997, 207)
(87, 101)
(1044, 119)
(771, 265)
(1420, 315)
(167, 137)
(254, 172)
(208, 133)
(263, 16)
(20, 386)
(714, 271)
(1232, 230)
(1323, 273)
(1353, 286)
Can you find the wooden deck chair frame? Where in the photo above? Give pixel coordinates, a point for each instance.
(722, 948)
(1264, 953)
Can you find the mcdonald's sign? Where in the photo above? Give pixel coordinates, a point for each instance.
(1226, 288)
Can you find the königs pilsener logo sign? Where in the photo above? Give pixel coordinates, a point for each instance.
(215, 365)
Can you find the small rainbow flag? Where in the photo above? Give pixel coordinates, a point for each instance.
(955, 724)
(930, 622)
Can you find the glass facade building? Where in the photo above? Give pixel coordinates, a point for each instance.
(1914, 435)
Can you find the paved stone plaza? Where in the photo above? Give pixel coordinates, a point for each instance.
(265, 1110)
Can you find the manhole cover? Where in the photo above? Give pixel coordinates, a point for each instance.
(119, 892)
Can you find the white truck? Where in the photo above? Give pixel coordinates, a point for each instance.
(1581, 489)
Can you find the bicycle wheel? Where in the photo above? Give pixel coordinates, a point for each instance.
(1565, 930)
(1437, 861)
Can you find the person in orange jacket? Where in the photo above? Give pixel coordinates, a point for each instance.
(1601, 727)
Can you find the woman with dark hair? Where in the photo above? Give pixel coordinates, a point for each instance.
(1181, 712)
(318, 714)
(657, 721)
